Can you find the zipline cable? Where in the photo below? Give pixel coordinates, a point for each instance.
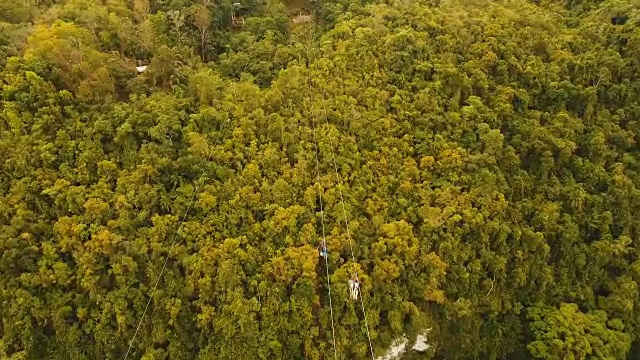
(346, 222)
(166, 260)
(160, 276)
(324, 241)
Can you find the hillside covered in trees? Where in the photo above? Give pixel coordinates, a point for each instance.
(484, 154)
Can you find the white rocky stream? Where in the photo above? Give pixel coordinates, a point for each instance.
(399, 346)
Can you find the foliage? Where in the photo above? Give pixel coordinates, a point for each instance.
(486, 154)
(568, 333)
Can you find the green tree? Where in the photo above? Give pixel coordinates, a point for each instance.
(568, 333)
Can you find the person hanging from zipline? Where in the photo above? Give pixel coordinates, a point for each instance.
(322, 250)
(354, 288)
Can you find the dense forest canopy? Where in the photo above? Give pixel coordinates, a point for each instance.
(486, 151)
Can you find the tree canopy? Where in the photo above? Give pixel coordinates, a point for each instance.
(483, 153)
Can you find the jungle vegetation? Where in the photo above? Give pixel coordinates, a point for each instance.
(487, 154)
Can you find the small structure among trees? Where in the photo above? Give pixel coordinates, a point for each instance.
(236, 20)
(302, 19)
